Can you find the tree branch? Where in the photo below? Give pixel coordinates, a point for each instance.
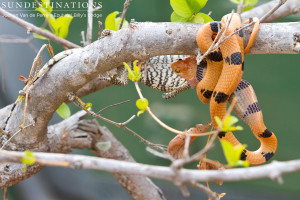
(289, 8)
(273, 170)
(32, 28)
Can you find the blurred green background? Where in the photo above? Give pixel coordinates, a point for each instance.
(274, 78)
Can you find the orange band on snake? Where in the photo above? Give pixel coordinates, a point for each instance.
(230, 85)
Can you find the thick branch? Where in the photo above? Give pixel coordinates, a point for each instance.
(273, 170)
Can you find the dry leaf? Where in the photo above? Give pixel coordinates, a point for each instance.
(176, 145)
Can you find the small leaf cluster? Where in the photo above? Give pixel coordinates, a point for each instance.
(59, 25)
(228, 124)
(249, 4)
(27, 159)
(142, 105)
(135, 74)
(187, 11)
(88, 105)
(112, 22)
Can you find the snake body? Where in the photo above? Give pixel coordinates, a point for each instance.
(228, 85)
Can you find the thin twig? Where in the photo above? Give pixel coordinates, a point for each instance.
(162, 123)
(32, 124)
(280, 3)
(122, 125)
(103, 118)
(112, 106)
(184, 191)
(83, 41)
(156, 118)
(89, 30)
(241, 6)
(5, 193)
(126, 4)
(30, 82)
(159, 154)
(32, 28)
(211, 194)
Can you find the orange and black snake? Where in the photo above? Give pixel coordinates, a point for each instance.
(218, 80)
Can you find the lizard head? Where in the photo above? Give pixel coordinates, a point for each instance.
(186, 69)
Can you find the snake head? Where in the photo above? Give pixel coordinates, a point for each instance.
(186, 69)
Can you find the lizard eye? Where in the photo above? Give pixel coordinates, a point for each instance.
(177, 70)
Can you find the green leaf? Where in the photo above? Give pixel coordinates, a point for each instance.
(248, 8)
(40, 36)
(133, 75)
(110, 21)
(233, 154)
(142, 104)
(61, 25)
(28, 158)
(196, 19)
(64, 111)
(47, 15)
(177, 18)
(218, 121)
(103, 146)
(186, 8)
(88, 105)
(118, 21)
(205, 17)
